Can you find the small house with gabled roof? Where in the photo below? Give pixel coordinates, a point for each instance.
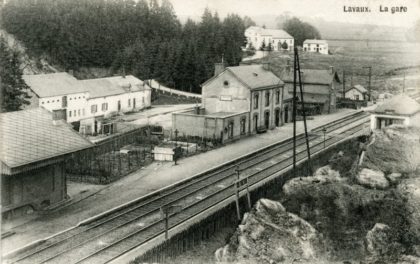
(236, 101)
(400, 109)
(34, 147)
(356, 92)
(316, 45)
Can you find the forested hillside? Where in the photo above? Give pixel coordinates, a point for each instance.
(144, 38)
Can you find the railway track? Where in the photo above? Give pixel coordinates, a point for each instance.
(117, 232)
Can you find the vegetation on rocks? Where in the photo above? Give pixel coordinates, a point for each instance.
(367, 212)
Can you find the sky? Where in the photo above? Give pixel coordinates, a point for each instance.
(330, 10)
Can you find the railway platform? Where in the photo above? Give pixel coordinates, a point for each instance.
(153, 177)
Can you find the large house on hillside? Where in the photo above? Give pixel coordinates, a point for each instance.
(236, 101)
(316, 45)
(88, 102)
(277, 38)
(319, 91)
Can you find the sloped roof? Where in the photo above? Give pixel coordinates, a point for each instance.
(255, 76)
(53, 84)
(276, 33)
(359, 88)
(310, 88)
(399, 105)
(312, 76)
(102, 87)
(29, 136)
(315, 41)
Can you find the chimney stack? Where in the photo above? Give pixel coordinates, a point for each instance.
(266, 65)
(218, 68)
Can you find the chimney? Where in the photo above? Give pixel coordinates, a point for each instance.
(266, 66)
(123, 72)
(332, 69)
(58, 116)
(71, 72)
(288, 66)
(218, 68)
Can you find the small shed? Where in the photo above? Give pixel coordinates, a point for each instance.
(401, 109)
(357, 92)
(34, 148)
(166, 152)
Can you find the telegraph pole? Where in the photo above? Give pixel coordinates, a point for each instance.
(303, 111)
(404, 83)
(370, 78)
(294, 114)
(344, 84)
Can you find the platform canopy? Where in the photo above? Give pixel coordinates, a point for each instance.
(30, 138)
(402, 105)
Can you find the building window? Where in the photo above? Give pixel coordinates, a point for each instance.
(142, 100)
(243, 126)
(83, 112)
(64, 101)
(119, 105)
(74, 112)
(129, 102)
(78, 112)
(42, 102)
(277, 96)
(267, 98)
(69, 113)
(93, 108)
(104, 106)
(226, 84)
(48, 102)
(256, 99)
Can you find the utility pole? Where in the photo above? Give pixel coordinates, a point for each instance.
(238, 212)
(404, 83)
(344, 84)
(303, 111)
(370, 78)
(294, 115)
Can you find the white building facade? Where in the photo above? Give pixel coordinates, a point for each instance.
(277, 38)
(316, 45)
(86, 100)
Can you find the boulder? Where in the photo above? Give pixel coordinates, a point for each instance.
(410, 190)
(381, 244)
(394, 177)
(270, 234)
(372, 178)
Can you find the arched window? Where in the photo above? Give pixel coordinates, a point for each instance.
(256, 99)
(267, 98)
(277, 96)
(243, 126)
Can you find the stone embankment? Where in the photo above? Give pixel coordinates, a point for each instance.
(362, 208)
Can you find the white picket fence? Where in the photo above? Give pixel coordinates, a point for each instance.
(157, 86)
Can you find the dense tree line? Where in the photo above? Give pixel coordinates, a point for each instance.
(13, 88)
(142, 37)
(298, 29)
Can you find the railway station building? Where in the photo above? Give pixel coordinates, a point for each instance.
(35, 144)
(319, 91)
(236, 101)
(400, 109)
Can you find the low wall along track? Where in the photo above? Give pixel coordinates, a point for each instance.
(113, 234)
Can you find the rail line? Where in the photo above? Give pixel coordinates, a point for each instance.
(120, 231)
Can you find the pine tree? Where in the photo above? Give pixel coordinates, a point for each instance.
(13, 87)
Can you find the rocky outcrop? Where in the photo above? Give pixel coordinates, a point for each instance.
(410, 190)
(372, 178)
(269, 234)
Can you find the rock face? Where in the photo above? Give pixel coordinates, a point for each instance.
(372, 178)
(269, 234)
(410, 190)
(380, 241)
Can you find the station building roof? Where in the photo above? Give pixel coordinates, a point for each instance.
(31, 137)
(399, 105)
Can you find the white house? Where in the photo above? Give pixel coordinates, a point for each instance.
(279, 39)
(316, 45)
(86, 101)
(400, 109)
(357, 92)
